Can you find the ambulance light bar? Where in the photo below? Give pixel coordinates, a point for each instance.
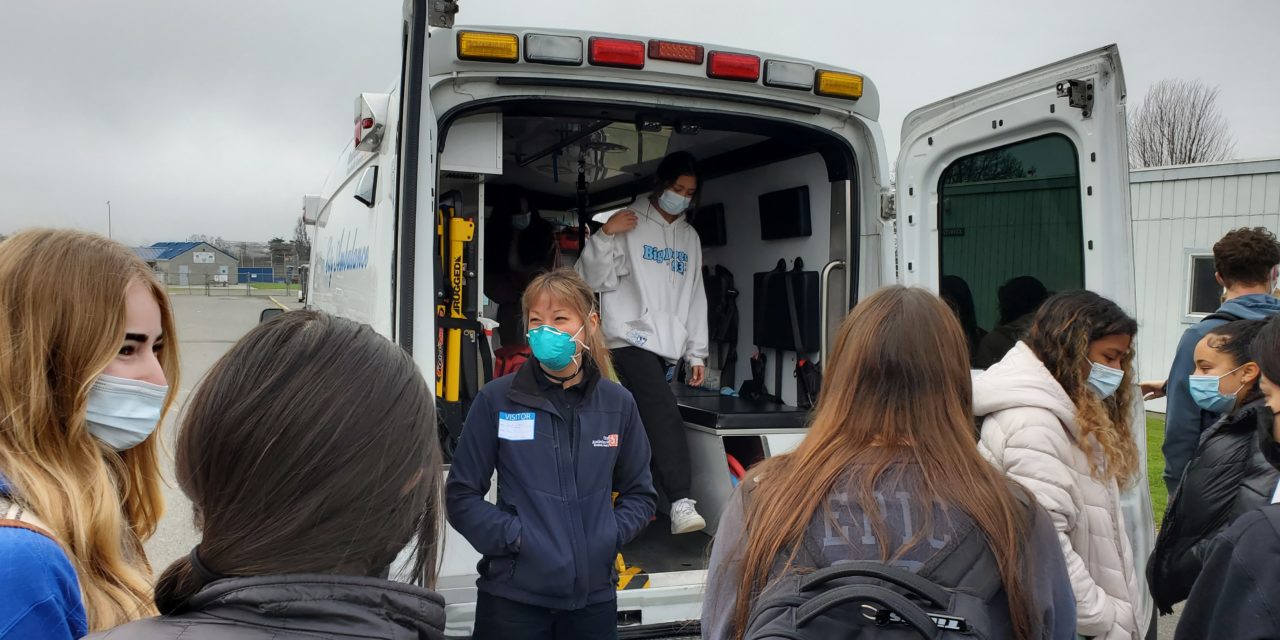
(631, 54)
(490, 47)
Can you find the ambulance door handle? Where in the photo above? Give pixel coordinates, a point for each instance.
(823, 281)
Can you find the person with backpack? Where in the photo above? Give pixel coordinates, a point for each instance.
(88, 369)
(563, 439)
(886, 504)
(1058, 420)
(1228, 475)
(646, 264)
(310, 456)
(1245, 260)
(1235, 594)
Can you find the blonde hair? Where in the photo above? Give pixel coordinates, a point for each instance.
(567, 287)
(62, 321)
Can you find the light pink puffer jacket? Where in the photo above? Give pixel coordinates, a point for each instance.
(1030, 433)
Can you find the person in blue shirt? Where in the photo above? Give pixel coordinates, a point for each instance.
(1245, 260)
(564, 439)
(87, 371)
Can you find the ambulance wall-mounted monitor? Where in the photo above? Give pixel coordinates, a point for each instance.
(785, 214)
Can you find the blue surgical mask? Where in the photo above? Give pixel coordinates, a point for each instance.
(673, 203)
(1205, 392)
(1104, 380)
(123, 412)
(553, 347)
(521, 220)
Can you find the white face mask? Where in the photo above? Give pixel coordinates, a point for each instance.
(123, 412)
(673, 203)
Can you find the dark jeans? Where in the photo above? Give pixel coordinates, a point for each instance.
(644, 375)
(503, 619)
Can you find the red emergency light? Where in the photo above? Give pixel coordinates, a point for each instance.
(613, 52)
(733, 66)
(676, 52)
(361, 125)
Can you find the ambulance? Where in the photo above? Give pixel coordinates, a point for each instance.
(1024, 177)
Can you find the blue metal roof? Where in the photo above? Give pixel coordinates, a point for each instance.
(148, 253)
(171, 250)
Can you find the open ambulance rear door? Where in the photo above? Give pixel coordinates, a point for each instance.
(1028, 176)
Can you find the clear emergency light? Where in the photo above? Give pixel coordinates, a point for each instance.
(788, 75)
(549, 49)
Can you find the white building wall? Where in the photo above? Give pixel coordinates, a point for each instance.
(1179, 210)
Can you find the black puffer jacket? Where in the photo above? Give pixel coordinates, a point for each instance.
(1227, 477)
(293, 607)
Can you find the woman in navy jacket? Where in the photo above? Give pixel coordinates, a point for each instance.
(563, 439)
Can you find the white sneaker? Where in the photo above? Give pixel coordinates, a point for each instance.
(685, 518)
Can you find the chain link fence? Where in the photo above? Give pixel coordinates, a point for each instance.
(184, 284)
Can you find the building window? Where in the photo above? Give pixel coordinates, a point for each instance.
(1204, 294)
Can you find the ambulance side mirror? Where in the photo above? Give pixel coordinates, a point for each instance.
(269, 313)
(366, 188)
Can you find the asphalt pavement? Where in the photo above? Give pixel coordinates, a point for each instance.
(207, 326)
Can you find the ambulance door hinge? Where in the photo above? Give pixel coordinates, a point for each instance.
(1079, 94)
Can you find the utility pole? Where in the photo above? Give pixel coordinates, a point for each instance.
(108, 218)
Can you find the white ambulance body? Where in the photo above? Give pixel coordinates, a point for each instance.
(1026, 176)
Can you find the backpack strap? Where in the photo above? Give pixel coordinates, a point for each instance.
(935, 595)
(966, 562)
(1222, 315)
(14, 516)
(890, 602)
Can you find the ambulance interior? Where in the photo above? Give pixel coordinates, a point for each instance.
(1010, 234)
(764, 196)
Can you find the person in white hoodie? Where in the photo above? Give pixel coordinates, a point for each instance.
(1057, 420)
(646, 264)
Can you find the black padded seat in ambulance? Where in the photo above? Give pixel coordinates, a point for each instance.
(709, 409)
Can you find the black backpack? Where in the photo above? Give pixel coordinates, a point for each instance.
(867, 599)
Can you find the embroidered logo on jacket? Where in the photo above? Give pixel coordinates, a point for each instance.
(610, 440)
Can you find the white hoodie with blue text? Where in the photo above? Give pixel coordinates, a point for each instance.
(650, 285)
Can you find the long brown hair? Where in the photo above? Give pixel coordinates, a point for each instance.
(62, 321)
(1060, 336)
(568, 288)
(897, 389)
(310, 447)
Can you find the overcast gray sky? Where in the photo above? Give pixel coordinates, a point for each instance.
(216, 117)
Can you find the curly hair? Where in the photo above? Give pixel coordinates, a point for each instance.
(1246, 256)
(1060, 336)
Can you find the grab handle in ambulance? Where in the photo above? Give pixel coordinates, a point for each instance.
(826, 301)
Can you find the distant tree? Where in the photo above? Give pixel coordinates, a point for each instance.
(984, 167)
(302, 240)
(213, 241)
(1179, 122)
